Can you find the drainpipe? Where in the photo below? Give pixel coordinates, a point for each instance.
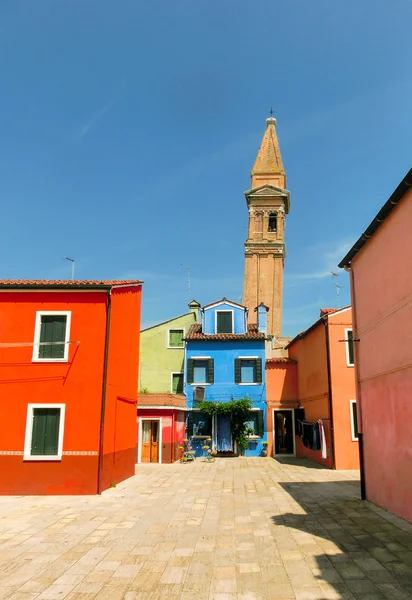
(357, 384)
(332, 437)
(104, 388)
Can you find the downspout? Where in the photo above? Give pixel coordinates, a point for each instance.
(104, 388)
(332, 431)
(357, 384)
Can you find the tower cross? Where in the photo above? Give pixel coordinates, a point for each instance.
(271, 112)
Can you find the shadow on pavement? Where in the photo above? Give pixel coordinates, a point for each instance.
(355, 553)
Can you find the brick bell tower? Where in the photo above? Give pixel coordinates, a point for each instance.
(268, 203)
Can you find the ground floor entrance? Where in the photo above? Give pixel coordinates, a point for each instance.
(150, 440)
(284, 432)
(223, 433)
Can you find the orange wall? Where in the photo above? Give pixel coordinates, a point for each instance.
(343, 390)
(310, 352)
(77, 384)
(382, 294)
(281, 391)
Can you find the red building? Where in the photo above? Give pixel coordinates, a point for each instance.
(381, 286)
(69, 356)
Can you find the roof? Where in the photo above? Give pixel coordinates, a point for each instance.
(324, 313)
(168, 321)
(223, 300)
(282, 360)
(385, 211)
(268, 159)
(327, 311)
(65, 283)
(195, 333)
(172, 400)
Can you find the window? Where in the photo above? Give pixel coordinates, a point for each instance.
(248, 370)
(350, 356)
(224, 321)
(44, 432)
(354, 419)
(176, 338)
(199, 424)
(177, 383)
(273, 222)
(51, 336)
(200, 370)
(254, 423)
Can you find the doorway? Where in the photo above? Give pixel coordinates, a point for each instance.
(224, 433)
(284, 432)
(150, 441)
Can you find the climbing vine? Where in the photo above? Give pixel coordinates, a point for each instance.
(238, 411)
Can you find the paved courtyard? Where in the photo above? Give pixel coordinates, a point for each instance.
(236, 529)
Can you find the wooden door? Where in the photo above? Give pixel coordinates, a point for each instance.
(150, 441)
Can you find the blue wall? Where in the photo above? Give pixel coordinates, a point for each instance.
(224, 387)
(209, 318)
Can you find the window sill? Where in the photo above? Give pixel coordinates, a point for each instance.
(42, 458)
(50, 360)
(255, 383)
(199, 383)
(175, 347)
(350, 365)
(254, 437)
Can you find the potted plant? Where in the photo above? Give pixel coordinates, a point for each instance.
(265, 448)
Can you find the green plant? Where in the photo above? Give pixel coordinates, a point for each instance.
(238, 411)
(113, 484)
(265, 443)
(144, 391)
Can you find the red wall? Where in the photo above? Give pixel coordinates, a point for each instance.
(381, 296)
(173, 430)
(77, 384)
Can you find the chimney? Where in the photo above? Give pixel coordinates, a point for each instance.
(261, 311)
(194, 308)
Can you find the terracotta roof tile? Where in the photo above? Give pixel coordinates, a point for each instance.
(195, 333)
(327, 311)
(282, 360)
(56, 283)
(161, 400)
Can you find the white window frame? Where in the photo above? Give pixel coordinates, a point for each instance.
(29, 433)
(168, 338)
(171, 380)
(349, 364)
(233, 320)
(200, 358)
(247, 358)
(140, 438)
(37, 330)
(352, 424)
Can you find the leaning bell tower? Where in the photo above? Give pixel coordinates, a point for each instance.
(268, 204)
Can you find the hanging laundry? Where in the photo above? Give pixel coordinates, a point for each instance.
(323, 440)
(315, 437)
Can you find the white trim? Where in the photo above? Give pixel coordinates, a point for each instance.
(139, 448)
(248, 357)
(37, 328)
(239, 306)
(29, 432)
(199, 357)
(348, 364)
(171, 381)
(352, 424)
(233, 321)
(252, 383)
(340, 311)
(169, 347)
(292, 410)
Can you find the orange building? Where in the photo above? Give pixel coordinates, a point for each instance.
(326, 387)
(281, 402)
(69, 355)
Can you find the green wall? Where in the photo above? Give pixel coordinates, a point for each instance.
(157, 361)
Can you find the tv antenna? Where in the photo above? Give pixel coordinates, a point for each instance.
(188, 282)
(337, 286)
(72, 261)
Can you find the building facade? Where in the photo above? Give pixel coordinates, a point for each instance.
(381, 289)
(326, 388)
(225, 360)
(268, 203)
(69, 356)
(162, 405)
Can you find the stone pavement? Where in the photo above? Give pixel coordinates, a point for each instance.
(235, 529)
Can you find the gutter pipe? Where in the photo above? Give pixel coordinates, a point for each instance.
(332, 430)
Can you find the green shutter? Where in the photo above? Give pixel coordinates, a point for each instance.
(350, 347)
(224, 322)
(258, 370)
(190, 419)
(355, 420)
(210, 371)
(45, 432)
(259, 423)
(177, 383)
(52, 329)
(176, 338)
(190, 368)
(238, 374)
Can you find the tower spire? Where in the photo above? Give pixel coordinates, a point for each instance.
(268, 167)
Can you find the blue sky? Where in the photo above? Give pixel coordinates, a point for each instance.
(128, 130)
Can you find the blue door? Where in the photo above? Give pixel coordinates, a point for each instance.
(223, 434)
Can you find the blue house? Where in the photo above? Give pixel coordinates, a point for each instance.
(224, 361)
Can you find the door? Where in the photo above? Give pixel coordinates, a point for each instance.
(284, 432)
(150, 441)
(224, 434)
